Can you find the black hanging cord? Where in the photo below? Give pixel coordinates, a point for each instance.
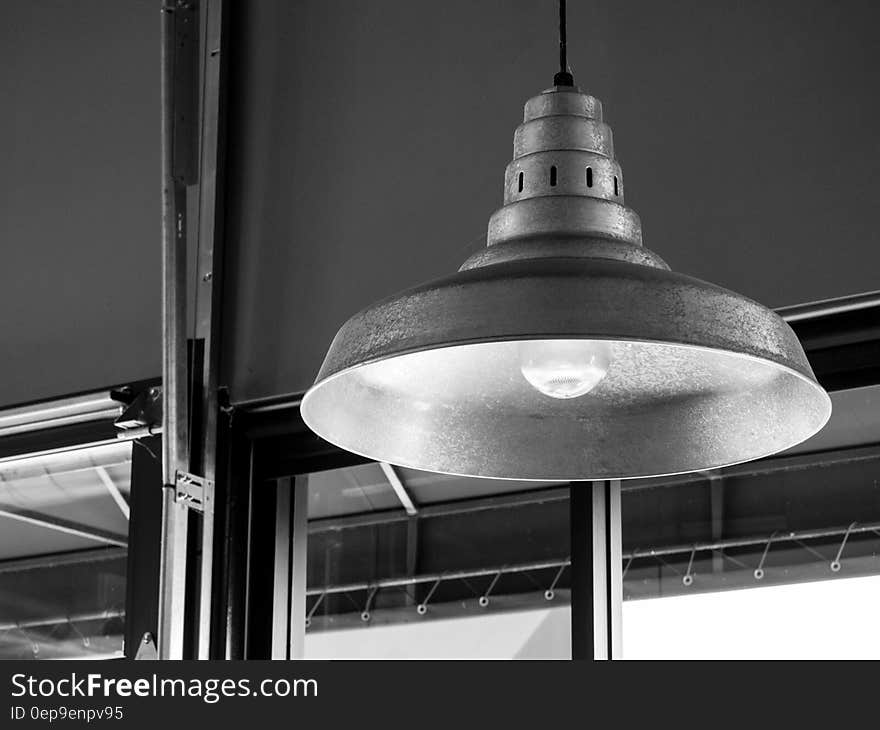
(564, 77)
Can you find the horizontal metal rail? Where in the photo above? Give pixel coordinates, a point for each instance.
(60, 620)
(436, 577)
(829, 307)
(62, 412)
(686, 548)
(666, 551)
(132, 434)
(60, 560)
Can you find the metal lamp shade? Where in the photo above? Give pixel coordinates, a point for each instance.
(696, 377)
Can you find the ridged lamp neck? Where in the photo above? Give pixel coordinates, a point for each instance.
(563, 189)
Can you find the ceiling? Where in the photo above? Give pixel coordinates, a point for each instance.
(80, 287)
(367, 143)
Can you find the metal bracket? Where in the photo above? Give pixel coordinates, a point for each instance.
(144, 410)
(193, 491)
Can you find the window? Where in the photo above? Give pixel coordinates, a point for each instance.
(467, 574)
(63, 536)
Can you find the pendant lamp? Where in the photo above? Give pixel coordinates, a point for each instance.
(565, 350)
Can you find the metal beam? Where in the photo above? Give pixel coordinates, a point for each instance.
(62, 412)
(399, 487)
(450, 575)
(289, 582)
(208, 287)
(298, 565)
(596, 571)
(59, 560)
(73, 529)
(114, 491)
(281, 580)
(193, 64)
(829, 307)
(54, 620)
(178, 61)
(445, 509)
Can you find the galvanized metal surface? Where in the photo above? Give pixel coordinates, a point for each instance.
(178, 52)
(700, 376)
(63, 412)
(208, 286)
(558, 298)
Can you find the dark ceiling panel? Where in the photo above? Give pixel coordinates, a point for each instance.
(368, 142)
(79, 196)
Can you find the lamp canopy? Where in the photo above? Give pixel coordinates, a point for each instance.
(565, 350)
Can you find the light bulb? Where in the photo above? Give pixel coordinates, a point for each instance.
(564, 368)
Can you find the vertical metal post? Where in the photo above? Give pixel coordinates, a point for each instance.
(176, 44)
(596, 570)
(299, 533)
(281, 582)
(291, 565)
(192, 146)
(208, 290)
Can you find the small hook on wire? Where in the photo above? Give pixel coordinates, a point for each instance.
(628, 563)
(85, 639)
(365, 614)
(35, 646)
(688, 577)
(314, 608)
(484, 599)
(759, 571)
(835, 564)
(550, 593)
(422, 608)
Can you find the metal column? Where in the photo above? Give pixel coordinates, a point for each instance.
(208, 291)
(193, 63)
(291, 541)
(178, 52)
(596, 570)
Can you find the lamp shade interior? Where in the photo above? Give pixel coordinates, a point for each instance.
(480, 409)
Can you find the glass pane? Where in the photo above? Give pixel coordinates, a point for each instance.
(465, 577)
(820, 620)
(773, 559)
(63, 535)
